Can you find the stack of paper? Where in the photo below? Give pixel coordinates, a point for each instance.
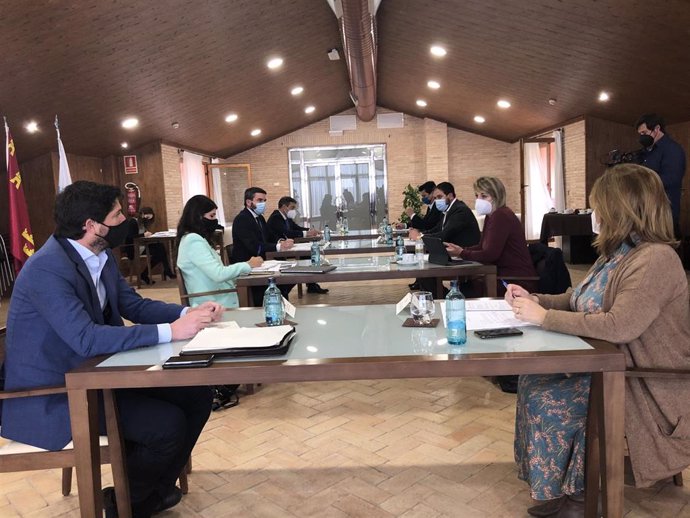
(491, 314)
(269, 267)
(229, 338)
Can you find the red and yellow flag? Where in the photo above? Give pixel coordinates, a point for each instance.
(21, 237)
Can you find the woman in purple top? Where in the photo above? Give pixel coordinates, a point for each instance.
(503, 238)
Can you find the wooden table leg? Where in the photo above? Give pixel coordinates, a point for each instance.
(83, 408)
(592, 459)
(116, 449)
(243, 294)
(611, 421)
(490, 284)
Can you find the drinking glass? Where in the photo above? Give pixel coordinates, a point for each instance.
(422, 307)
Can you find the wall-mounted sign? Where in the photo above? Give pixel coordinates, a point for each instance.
(131, 164)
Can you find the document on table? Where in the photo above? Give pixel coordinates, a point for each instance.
(488, 314)
(271, 267)
(223, 337)
(165, 233)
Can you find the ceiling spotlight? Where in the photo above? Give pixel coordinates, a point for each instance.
(232, 117)
(309, 109)
(130, 123)
(124, 145)
(333, 55)
(502, 103)
(421, 103)
(604, 96)
(552, 101)
(32, 127)
(274, 63)
(479, 119)
(434, 85)
(297, 90)
(438, 51)
(255, 132)
(175, 125)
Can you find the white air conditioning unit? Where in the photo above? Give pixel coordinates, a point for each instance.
(390, 120)
(343, 122)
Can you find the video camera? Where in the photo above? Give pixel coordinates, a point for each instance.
(631, 157)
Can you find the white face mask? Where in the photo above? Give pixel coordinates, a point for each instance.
(483, 207)
(596, 226)
(292, 214)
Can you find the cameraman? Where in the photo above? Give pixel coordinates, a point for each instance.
(665, 156)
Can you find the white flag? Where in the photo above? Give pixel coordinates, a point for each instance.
(64, 178)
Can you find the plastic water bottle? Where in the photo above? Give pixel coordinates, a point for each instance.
(399, 248)
(346, 227)
(389, 234)
(315, 254)
(274, 311)
(419, 251)
(327, 234)
(456, 327)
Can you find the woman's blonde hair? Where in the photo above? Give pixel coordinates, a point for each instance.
(493, 187)
(631, 198)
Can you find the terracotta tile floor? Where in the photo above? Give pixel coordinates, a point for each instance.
(409, 448)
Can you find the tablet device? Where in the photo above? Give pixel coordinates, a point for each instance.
(437, 251)
(498, 333)
(188, 361)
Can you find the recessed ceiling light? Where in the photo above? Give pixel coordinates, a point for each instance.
(297, 90)
(434, 85)
(130, 123)
(479, 119)
(274, 63)
(438, 51)
(32, 127)
(231, 117)
(604, 96)
(502, 103)
(175, 125)
(421, 103)
(124, 145)
(309, 109)
(552, 101)
(255, 132)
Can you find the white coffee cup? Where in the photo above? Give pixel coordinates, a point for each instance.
(408, 259)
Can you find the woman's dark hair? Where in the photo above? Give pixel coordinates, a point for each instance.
(146, 211)
(80, 201)
(193, 215)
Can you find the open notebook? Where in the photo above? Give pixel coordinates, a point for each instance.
(241, 341)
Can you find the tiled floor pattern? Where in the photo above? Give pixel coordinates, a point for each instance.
(411, 448)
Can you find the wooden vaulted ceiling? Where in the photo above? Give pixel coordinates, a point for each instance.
(192, 62)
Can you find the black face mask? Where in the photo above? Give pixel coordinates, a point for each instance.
(210, 225)
(116, 234)
(148, 221)
(646, 141)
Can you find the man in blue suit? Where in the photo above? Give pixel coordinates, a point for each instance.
(68, 305)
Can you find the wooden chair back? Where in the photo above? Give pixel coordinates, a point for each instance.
(185, 296)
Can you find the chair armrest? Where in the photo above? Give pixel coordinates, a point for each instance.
(520, 278)
(658, 373)
(39, 391)
(205, 293)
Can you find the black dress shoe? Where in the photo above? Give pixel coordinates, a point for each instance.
(170, 499)
(109, 504)
(315, 288)
(145, 279)
(169, 275)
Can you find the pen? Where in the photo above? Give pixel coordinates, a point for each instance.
(505, 284)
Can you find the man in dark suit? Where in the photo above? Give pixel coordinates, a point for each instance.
(68, 305)
(457, 225)
(251, 236)
(432, 216)
(282, 224)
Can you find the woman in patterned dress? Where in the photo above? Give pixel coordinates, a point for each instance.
(635, 295)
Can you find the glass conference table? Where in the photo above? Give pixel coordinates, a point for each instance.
(341, 247)
(363, 342)
(349, 269)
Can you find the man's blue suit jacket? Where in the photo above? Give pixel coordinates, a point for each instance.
(54, 324)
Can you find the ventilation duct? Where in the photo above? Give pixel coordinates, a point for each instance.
(357, 20)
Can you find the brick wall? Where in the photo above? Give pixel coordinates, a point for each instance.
(575, 155)
(471, 156)
(172, 184)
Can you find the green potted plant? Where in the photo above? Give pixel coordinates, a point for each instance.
(411, 200)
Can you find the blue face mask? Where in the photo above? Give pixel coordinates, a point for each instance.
(426, 200)
(441, 204)
(260, 208)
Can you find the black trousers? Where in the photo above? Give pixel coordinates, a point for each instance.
(160, 427)
(159, 255)
(257, 293)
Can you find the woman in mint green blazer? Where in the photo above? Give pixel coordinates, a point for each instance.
(198, 261)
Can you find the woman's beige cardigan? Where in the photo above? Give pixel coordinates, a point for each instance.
(646, 312)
